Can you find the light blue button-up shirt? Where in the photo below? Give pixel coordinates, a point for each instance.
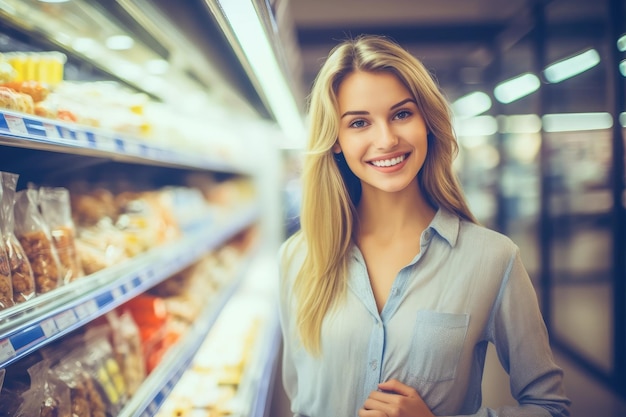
(467, 287)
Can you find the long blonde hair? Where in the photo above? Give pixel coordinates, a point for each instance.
(331, 191)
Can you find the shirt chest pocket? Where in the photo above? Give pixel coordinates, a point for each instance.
(436, 345)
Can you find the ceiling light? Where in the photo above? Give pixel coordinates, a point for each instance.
(622, 67)
(84, 44)
(570, 67)
(520, 123)
(516, 88)
(253, 39)
(621, 43)
(476, 126)
(157, 66)
(471, 104)
(53, 1)
(571, 122)
(120, 42)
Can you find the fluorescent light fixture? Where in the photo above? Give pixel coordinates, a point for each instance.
(53, 1)
(622, 119)
(157, 66)
(119, 42)
(520, 123)
(471, 105)
(476, 126)
(622, 67)
(253, 39)
(516, 88)
(570, 67)
(572, 122)
(621, 43)
(84, 44)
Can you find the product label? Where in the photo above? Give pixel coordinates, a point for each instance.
(16, 125)
(49, 327)
(6, 350)
(65, 319)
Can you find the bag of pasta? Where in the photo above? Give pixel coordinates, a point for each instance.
(22, 279)
(34, 235)
(54, 203)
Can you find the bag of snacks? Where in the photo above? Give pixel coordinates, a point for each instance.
(54, 203)
(34, 235)
(22, 279)
(6, 285)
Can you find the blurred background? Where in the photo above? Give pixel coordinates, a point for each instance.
(537, 88)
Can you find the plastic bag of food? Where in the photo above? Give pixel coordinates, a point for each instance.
(85, 399)
(6, 285)
(99, 361)
(22, 279)
(126, 343)
(56, 211)
(34, 236)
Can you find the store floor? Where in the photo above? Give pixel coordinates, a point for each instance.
(589, 398)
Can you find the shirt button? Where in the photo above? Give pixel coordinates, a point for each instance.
(427, 235)
(373, 364)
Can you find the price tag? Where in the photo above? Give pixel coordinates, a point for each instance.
(65, 319)
(16, 125)
(117, 292)
(6, 350)
(86, 139)
(51, 131)
(49, 327)
(86, 309)
(105, 143)
(128, 287)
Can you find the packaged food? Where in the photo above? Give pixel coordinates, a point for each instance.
(22, 278)
(56, 211)
(34, 236)
(36, 90)
(99, 361)
(126, 343)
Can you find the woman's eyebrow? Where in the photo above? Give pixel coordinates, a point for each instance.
(355, 112)
(363, 112)
(406, 100)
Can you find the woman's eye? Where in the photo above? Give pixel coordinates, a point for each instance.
(403, 114)
(358, 123)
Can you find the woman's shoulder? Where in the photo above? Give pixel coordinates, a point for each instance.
(292, 246)
(291, 254)
(473, 234)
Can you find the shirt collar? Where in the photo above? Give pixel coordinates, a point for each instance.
(446, 225)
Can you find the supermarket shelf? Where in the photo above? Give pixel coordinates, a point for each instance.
(29, 326)
(33, 132)
(158, 385)
(267, 375)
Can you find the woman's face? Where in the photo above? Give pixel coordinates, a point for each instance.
(382, 134)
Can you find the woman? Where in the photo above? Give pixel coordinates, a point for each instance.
(391, 291)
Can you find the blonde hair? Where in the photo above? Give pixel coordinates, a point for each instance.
(331, 191)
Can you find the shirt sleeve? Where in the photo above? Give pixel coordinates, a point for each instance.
(521, 339)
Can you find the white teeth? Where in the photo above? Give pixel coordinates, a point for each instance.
(388, 162)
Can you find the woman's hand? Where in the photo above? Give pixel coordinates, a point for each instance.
(394, 399)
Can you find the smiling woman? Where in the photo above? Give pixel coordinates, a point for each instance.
(391, 286)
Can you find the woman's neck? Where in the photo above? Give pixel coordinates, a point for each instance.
(392, 214)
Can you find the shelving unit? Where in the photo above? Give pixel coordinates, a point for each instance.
(55, 152)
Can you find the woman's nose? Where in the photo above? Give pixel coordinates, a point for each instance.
(386, 137)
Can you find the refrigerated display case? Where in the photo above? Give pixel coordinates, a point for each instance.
(191, 128)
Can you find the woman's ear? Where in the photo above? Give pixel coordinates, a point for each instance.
(336, 147)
